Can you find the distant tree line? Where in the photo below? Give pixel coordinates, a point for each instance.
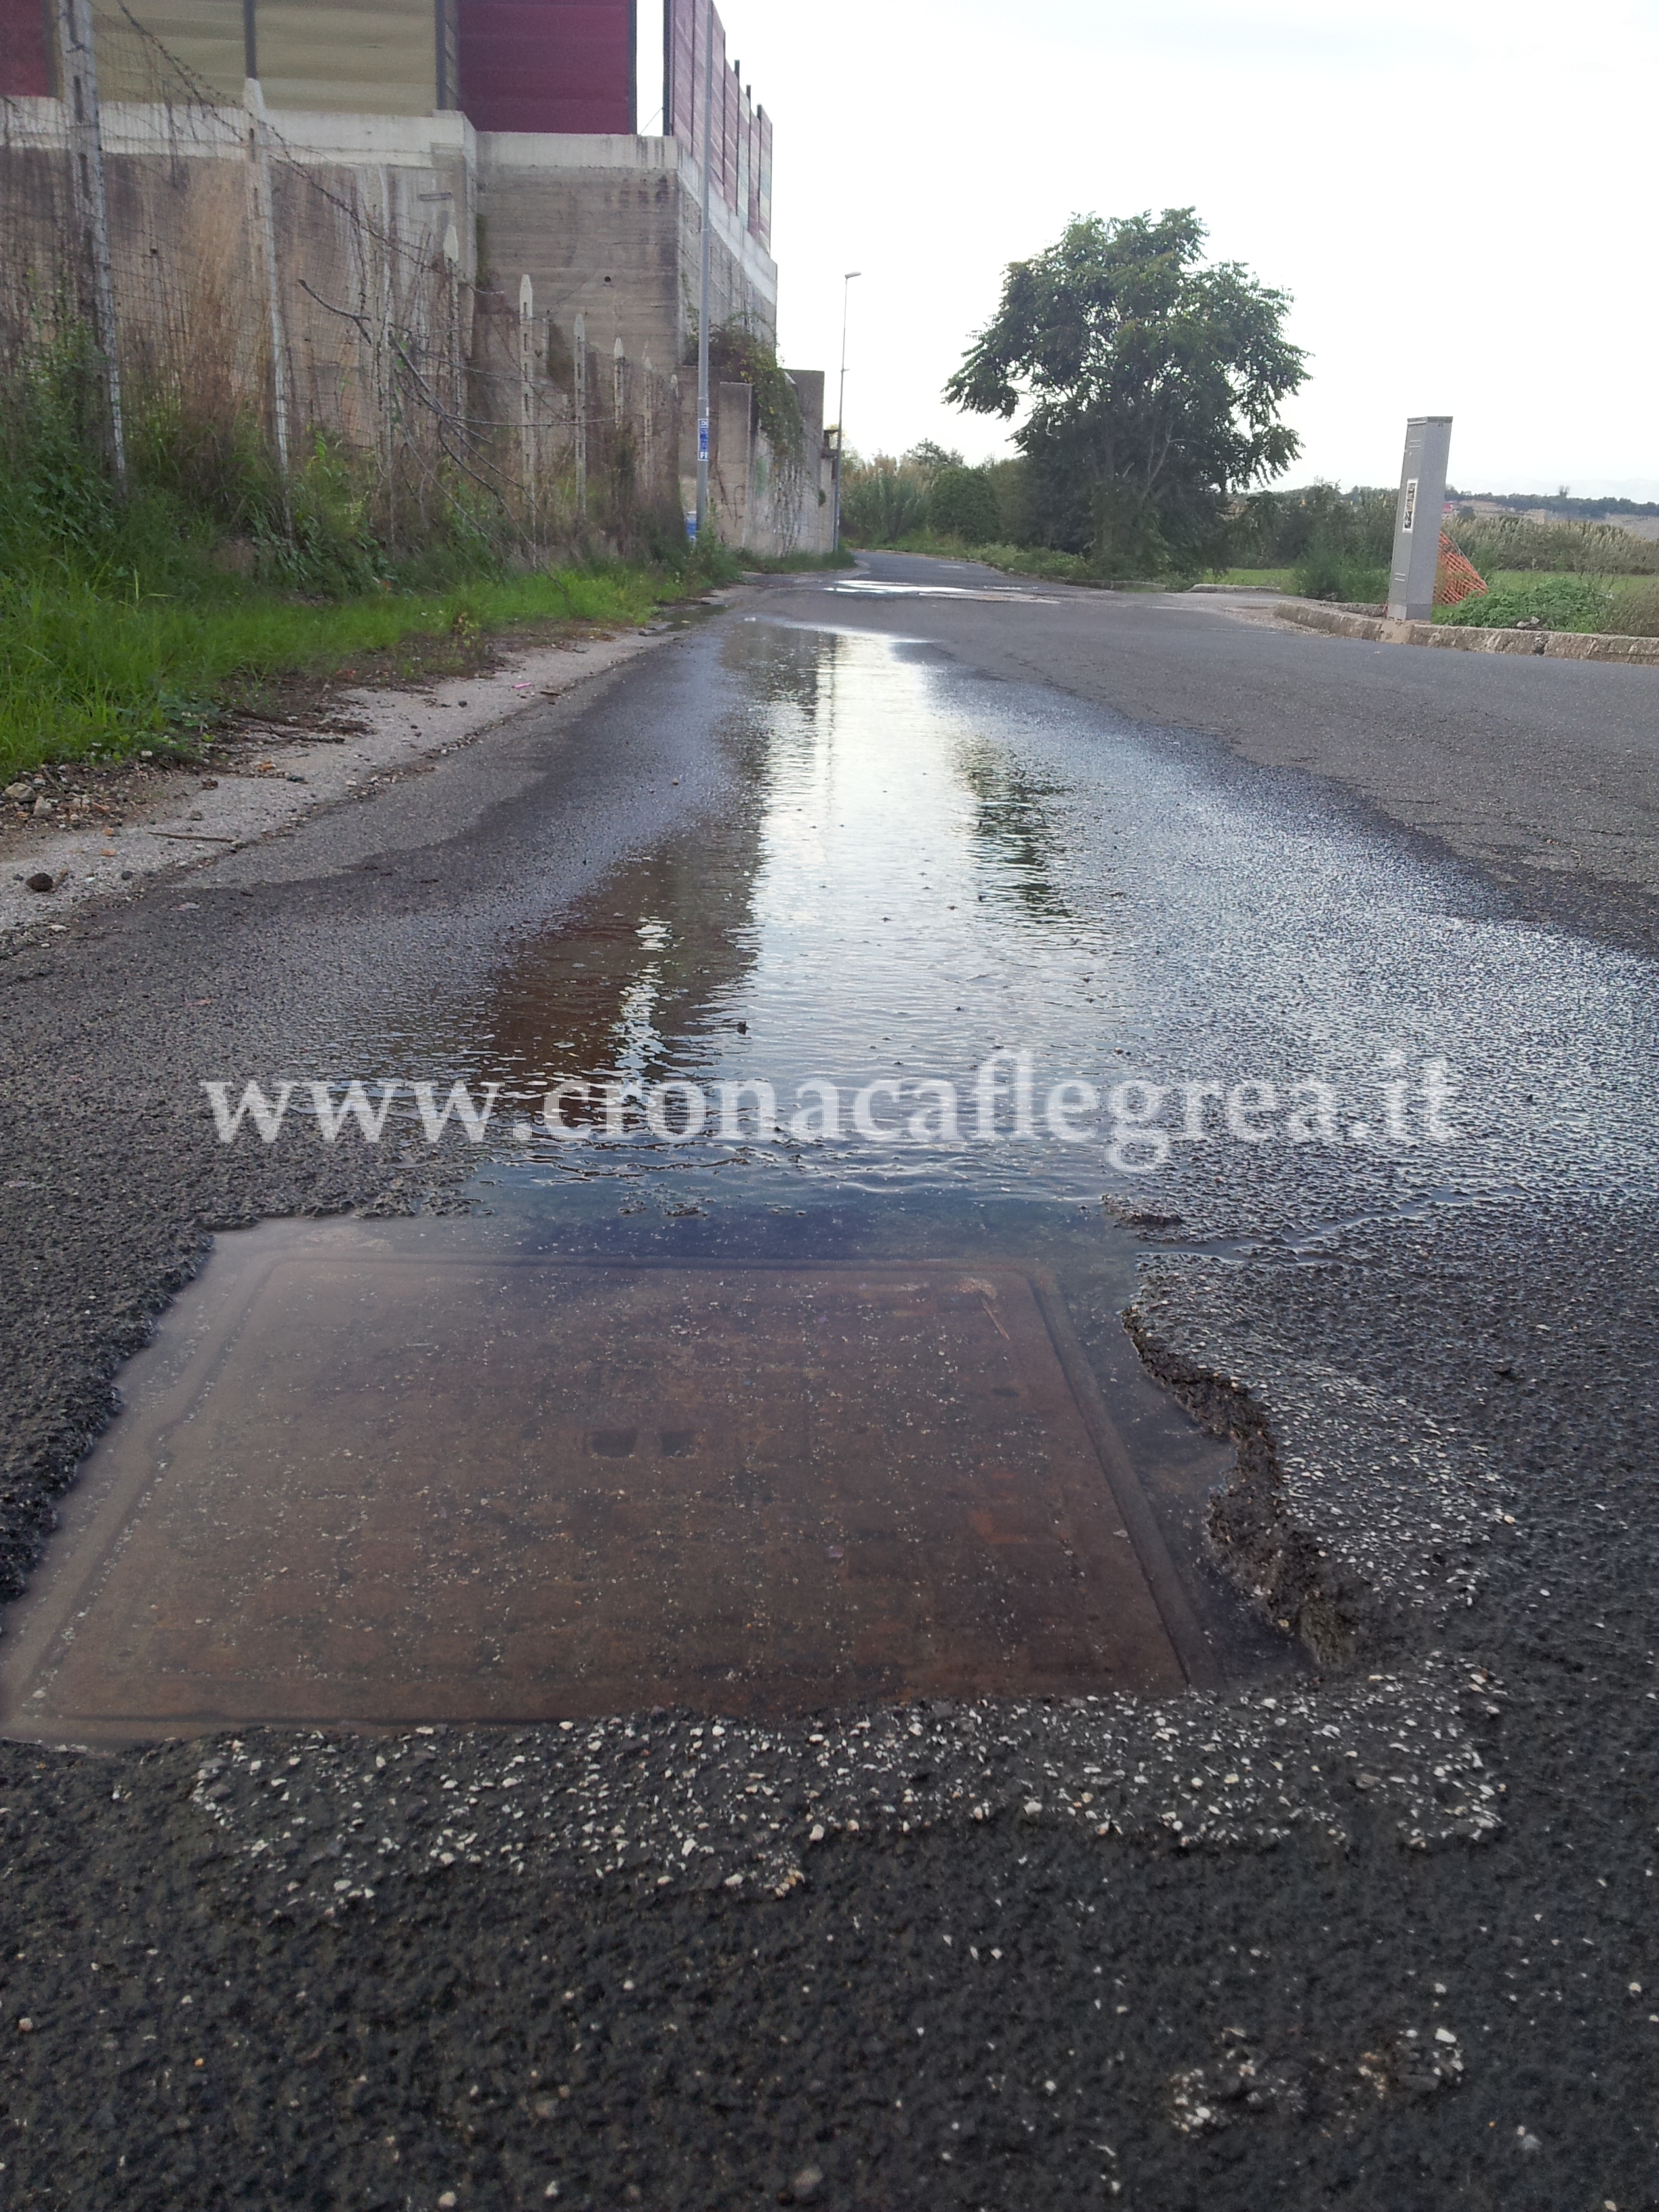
(1559, 504)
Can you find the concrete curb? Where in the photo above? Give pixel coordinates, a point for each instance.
(1554, 644)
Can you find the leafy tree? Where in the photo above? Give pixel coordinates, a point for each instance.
(1011, 481)
(1153, 387)
(927, 459)
(963, 503)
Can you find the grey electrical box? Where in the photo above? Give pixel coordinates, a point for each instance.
(1418, 516)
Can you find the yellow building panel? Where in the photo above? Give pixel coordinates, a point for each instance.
(377, 59)
(183, 49)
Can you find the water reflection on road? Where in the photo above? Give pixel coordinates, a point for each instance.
(883, 910)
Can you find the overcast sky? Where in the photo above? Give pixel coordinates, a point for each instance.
(1461, 200)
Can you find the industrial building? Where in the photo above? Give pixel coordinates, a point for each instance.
(456, 184)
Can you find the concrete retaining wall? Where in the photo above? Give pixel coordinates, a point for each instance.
(760, 501)
(524, 302)
(1555, 644)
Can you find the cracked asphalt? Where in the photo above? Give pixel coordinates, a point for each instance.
(1371, 1924)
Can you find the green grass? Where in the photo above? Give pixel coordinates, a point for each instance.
(85, 670)
(1037, 560)
(1620, 606)
(1041, 562)
(1276, 579)
(791, 564)
(131, 622)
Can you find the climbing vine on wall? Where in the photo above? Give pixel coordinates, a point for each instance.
(737, 354)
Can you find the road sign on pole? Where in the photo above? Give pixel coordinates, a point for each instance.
(1418, 516)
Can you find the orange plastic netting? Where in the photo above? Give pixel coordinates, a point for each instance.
(1455, 577)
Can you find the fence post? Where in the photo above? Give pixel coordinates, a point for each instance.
(648, 429)
(264, 224)
(452, 264)
(527, 395)
(86, 142)
(581, 416)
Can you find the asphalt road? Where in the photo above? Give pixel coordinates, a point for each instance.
(1547, 779)
(1379, 1933)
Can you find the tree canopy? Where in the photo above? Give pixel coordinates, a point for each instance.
(963, 503)
(1153, 385)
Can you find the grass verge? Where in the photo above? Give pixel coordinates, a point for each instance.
(1614, 606)
(1273, 580)
(1620, 606)
(1035, 561)
(83, 671)
(792, 565)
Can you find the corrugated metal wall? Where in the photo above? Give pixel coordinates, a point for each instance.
(555, 66)
(198, 43)
(366, 57)
(538, 65)
(742, 164)
(350, 56)
(24, 49)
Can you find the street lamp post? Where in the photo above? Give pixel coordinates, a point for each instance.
(702, 286)
(841, 395)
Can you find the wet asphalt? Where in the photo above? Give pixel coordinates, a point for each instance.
(1378, 1932)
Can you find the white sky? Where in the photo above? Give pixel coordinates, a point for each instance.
(1461, 199)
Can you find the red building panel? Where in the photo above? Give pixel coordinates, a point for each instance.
(25, 56)
(741, 169)
(560, 65)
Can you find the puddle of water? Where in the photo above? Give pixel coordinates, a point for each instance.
(380, 1476)
(868, 588)
(889, 906)
(724, 1422)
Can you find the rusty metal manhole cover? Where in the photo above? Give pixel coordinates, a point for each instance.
(373, 1488)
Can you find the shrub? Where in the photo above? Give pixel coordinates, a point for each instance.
(881, 502)
(1324, 573)
(1277, 529)
(1042, 561)
(1636, 613)
(329, 550)
(1553, 602)
(963, 503)
(1015, 517)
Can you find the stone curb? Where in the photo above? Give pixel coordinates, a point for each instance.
(1555, 644)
